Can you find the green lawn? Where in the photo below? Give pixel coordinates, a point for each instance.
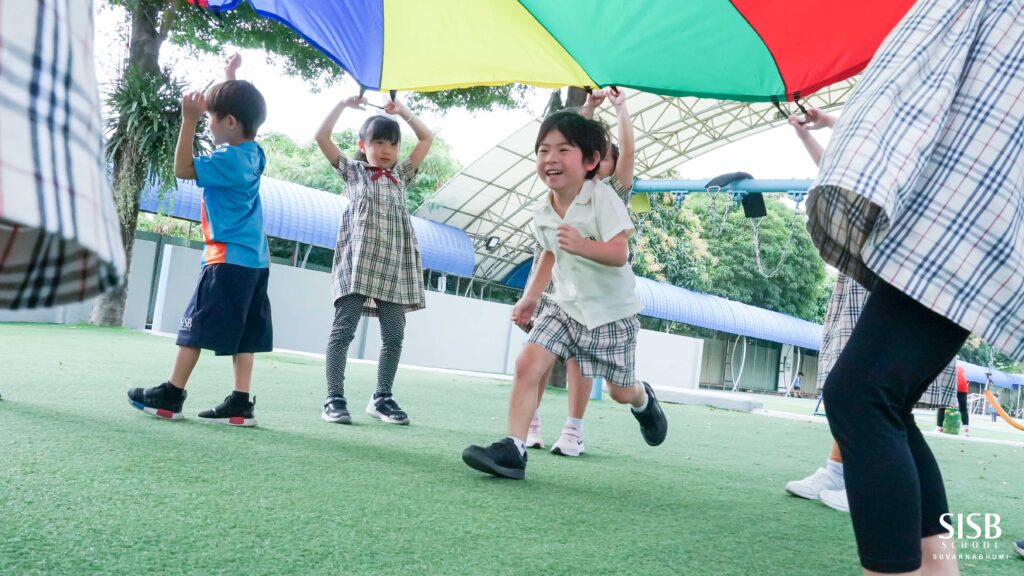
(90, 485)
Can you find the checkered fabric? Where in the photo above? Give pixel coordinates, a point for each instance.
(608, 351)
(921, 185)
(844, 309)
(59, 236)
(377, 253)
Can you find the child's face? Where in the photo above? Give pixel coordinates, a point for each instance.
(561, 165)
(380, 153)
(607, 166)
(224, 128)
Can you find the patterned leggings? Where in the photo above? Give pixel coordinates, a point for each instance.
(347, 311)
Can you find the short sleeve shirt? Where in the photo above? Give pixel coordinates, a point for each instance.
(591, 293)
(232, 215)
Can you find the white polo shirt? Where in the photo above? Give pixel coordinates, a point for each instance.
(592, 294)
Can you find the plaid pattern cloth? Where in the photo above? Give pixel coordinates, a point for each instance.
(921, 185)
(848, 299)
(608, 351)
(377, 253)
(60, 241)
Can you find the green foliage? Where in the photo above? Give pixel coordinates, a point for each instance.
(304, 164)
(689, 246)
(977, 351)
(145, 114)
(479, 98)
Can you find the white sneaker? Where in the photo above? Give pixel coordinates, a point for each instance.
(814, 484)
(967, 430)
(835, 499)
(938, 428)
(533, 439)
(570, 443)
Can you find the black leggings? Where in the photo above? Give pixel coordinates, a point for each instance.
(897, 348)
(961, 400)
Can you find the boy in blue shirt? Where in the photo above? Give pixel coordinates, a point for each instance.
(229, 312)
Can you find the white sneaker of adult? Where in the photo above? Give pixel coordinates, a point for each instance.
(813, 485)
(835, 499)
(570, 443)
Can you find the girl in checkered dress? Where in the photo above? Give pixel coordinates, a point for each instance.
(919, 200)
(377, 269)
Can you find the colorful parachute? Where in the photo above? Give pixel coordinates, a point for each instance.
(751, 50)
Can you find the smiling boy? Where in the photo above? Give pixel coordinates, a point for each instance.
(582, 227)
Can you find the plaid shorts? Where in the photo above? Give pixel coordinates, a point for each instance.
(608, 351)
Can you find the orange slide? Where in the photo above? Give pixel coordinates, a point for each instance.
(999, 410)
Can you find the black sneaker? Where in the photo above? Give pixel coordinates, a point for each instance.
(1019, 547)
(385, 409)
(653, 425)
(158, 401)
(336, 410)
(501, 459)
(231, 412)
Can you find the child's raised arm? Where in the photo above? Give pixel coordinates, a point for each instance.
(423, 134)
(627, 142)
(327, 146)
(234, 62)
(192, 107)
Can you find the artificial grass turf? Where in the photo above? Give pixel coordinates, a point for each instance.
(90, 485)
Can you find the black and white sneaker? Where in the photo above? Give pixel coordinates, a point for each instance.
(336, 410)
(231, 412)
(158, 401)
(1019, 547)
(653, 425)
(501, 459)
(385, 409)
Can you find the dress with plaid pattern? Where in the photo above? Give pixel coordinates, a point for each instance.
(377, 254)
(921, 184)
(848, 299)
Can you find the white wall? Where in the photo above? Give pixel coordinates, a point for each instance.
(451, 332)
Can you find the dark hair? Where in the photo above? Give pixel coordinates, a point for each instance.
(613, 149)
(587, 135)
(379, 128)
(240, 99)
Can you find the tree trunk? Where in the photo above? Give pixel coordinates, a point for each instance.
(130, 168)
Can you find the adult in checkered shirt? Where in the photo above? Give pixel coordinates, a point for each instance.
(828, 484)
(583, 228)
(919, 199)
(377, 269)
(615, 170)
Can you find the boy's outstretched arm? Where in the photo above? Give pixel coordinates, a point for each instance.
(234, 62)
(423, 134)
(627, 141)
(327, 146)
(192, 107)
(523, 311)
(614, 252)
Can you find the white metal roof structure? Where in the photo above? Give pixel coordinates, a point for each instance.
(492, 197)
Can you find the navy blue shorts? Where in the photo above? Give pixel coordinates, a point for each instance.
(229, 312)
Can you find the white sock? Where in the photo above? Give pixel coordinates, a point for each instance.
(643, 406)
(535, 423)
(521, 444)
(835, 469)
(576, 423)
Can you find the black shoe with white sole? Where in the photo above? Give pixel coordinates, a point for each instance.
(160, 401)
(231, 412)
(653, 424)
(336, 410)
(501, 459)
(385, 409)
